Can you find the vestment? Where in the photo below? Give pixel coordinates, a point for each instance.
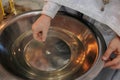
(110, 16)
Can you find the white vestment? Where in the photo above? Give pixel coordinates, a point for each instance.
(92, 8)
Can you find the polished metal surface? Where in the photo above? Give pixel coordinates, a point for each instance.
(72, 50)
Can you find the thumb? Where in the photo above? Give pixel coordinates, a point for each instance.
(108, 52)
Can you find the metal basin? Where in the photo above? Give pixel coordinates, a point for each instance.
(72, 50)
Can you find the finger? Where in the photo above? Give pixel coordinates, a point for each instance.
(108, 52)
(37, 36)
(44, 35)
(115, 66)
(114, 62)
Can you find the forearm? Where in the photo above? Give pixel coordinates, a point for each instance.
(50, 9)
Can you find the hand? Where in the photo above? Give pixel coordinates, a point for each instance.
(113, 48)
(40, 27)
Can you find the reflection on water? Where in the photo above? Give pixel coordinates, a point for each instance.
(53, 54)
(47, 56)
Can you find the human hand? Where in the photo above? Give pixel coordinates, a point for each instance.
(40, 27)
(113, 48)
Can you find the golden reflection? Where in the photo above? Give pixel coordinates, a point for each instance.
(12, 7)
(2, 26)
(81, 58)
(1, 10)
(6, 11)
(86, 66)
(80, 37)
(92, 47)
(92, 53)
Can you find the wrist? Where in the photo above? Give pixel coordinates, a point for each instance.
(46, 17)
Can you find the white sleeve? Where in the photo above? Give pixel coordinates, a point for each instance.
(50, 8)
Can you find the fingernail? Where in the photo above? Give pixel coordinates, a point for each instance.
(43, 40)
(104, 58)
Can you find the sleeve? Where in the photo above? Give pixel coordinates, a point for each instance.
(50, 8)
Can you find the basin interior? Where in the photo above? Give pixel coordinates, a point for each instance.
(70, 50)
